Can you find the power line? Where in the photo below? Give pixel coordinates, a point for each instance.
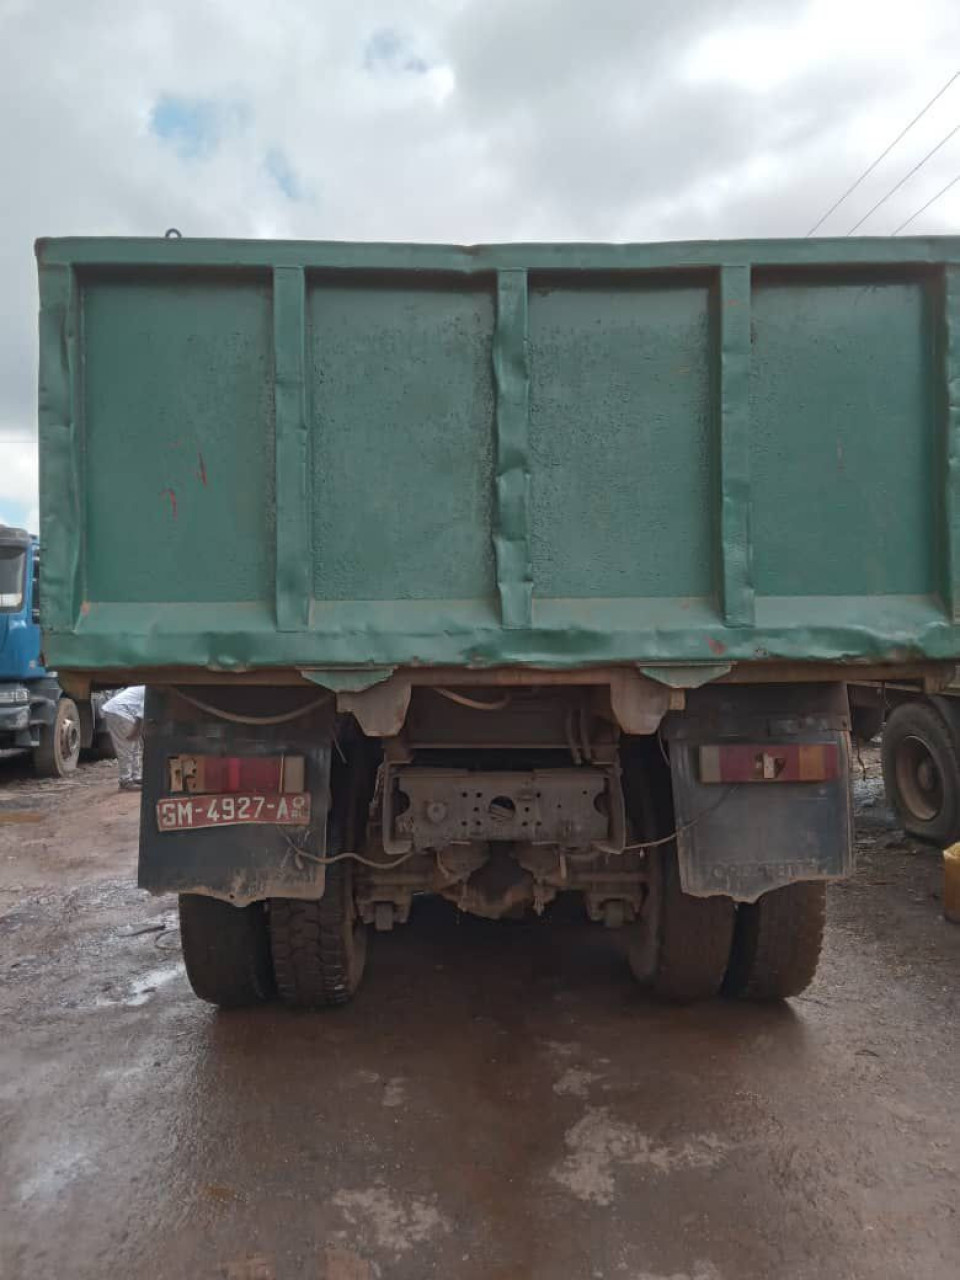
(883, 154)
(924, 207)
(883, 200)
(25, 440)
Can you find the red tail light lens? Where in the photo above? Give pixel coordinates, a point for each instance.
(770, 762)
(223, 775)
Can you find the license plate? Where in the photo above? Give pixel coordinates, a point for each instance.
(188, 813)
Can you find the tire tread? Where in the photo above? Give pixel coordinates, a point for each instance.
(310, 953)
(695, 937)
(226, 951)
(777, 943)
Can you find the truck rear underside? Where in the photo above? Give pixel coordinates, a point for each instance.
(685, 820)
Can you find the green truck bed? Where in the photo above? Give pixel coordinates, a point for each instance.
(324, 456)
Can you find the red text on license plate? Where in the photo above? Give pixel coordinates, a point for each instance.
(187, 813)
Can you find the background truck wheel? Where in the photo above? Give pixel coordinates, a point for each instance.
(58, 751)
(226, 951)
(776, 945)
(103, 748)
(319, 948)
(921, 772)
(693, 940)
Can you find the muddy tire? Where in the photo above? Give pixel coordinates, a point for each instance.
(226, 951)
(58, 751)
(319, 948)
(921, 772)
(777, 941)
(693, 940)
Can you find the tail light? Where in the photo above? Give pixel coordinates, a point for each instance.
(223, 775)
(770, 762)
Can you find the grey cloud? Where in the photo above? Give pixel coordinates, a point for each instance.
(390, 50)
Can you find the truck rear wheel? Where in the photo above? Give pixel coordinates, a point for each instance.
(319, 948)
(58, 750)
(921, 773)
(693, 940)
(777, 941)
(226, 951)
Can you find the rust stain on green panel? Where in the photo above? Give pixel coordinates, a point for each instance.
(179, 392)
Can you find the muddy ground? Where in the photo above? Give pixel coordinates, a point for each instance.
(500, 1102)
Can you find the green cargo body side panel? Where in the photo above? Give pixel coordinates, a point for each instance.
(178, 376)
(317, 456)
(401, 406)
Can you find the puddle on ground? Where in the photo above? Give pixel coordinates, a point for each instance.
(141, 989)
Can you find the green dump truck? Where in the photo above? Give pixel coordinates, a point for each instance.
(499, 573)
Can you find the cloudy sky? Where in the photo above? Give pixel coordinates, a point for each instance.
(453, 120)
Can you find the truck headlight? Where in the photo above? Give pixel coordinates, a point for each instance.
(15, 696)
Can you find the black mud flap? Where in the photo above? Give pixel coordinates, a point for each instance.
(240, 863)
(761, 788)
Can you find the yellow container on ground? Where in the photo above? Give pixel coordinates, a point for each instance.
(951, 883)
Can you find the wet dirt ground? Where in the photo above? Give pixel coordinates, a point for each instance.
(500, 1102)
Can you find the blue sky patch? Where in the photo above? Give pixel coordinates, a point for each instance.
(194, 127)
(389, 50)
(16, 512)
(278, 166)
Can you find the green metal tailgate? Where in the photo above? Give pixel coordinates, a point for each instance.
(260, 454)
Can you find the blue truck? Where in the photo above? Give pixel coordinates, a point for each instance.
(35, 713)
